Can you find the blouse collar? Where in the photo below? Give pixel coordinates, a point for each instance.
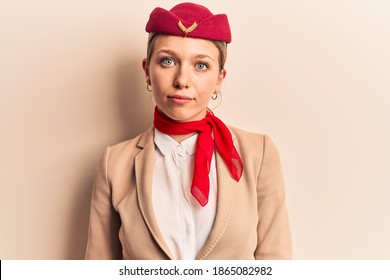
(166, 144)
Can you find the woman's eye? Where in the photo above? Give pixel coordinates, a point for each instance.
(201, 66)
(167, 61)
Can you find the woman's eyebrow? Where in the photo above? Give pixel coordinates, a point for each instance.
(173, 53)
(167, 51)
(202, 56)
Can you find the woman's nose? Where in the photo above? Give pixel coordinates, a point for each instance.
(182, 79)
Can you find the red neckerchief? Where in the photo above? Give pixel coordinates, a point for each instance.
(204, 148)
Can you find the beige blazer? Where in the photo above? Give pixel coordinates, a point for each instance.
(251, 220)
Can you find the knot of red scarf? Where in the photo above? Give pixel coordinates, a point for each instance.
(204, 148)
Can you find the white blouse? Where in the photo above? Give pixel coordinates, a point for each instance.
(184, 223)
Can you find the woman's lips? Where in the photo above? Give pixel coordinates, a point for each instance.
(180, 99)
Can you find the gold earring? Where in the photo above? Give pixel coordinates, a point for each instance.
(149, 87)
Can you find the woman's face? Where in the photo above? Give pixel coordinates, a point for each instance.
(184, 73)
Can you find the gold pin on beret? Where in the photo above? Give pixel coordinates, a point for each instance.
(186, 30)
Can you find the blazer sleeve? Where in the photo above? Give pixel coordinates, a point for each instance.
(273, 230)
(104, 224)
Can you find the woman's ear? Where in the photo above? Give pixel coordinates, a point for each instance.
(223, 72)
(221, 77)
(146, 70)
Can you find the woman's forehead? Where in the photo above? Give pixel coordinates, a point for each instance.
(185, 45)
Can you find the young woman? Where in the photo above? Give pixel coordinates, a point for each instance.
(189, 187)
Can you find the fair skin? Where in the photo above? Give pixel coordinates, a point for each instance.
(183, 73)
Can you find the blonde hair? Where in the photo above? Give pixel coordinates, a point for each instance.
(221, 46)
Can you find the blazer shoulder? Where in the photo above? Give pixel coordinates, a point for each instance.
(132, 146)
(253, 145)
(245, 137)
(248, 137)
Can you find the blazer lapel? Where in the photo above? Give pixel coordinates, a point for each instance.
(144, 163)
(227, 187)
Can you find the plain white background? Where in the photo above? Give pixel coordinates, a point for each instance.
(314, 75)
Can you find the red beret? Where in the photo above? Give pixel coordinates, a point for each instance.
(190, 20)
